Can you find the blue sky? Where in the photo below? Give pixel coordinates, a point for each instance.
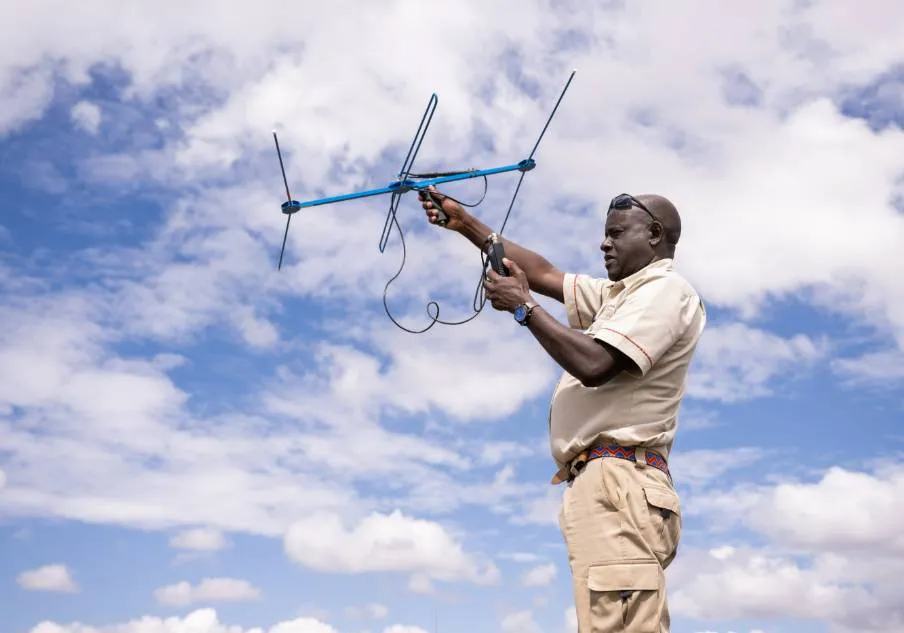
(194, 440)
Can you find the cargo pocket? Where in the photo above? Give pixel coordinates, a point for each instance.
(664, 514)
(627, 596)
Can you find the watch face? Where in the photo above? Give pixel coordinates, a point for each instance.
(520, 312)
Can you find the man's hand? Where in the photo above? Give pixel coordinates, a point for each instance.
(452, 209)
(507, 293)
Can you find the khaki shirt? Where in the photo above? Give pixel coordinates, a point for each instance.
(655, 317)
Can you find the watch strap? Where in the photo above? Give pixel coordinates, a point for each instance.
(528, 311)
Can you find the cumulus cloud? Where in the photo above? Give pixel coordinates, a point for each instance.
(420, 584)
(384, 542)
(571, 620)
(540, 576)
(403, 628)
(878, 368)
(208, 590)
(702, 467)
(520, 621)
(745, 583)
(199, 621)
(55, 343)
(806, 515)
(56, 578)
(205, 620)
(736, 362)
(825, 561)
(199, 539)
(87, 116)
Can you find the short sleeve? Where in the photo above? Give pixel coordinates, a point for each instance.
(583, 296)
(653, 316)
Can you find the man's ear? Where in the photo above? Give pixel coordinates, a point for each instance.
(657, 233)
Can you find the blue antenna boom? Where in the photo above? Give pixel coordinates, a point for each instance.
(403, 186)
(405, 182)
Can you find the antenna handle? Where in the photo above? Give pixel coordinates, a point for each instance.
(443, 218)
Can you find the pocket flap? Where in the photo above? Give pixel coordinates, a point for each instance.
(630, 576)
(662, 498)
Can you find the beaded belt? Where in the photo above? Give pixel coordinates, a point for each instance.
(571, 471)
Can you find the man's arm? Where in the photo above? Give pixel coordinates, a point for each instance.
(646, 324)
(543, 277)
(591, 361)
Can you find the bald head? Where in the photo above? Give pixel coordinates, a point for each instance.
(662, 209)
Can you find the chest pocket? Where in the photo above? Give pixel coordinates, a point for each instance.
(606, 312)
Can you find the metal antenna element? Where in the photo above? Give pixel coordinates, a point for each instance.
(289, 206)
(407, 181)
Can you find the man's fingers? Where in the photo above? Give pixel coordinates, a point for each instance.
(513, 267)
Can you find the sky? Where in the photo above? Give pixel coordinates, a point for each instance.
(192, 441)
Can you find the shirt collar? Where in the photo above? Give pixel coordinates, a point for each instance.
(635, 278)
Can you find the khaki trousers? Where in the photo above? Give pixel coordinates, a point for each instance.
(622, 523)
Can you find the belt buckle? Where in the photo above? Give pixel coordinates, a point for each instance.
(569, 471)
(578, 463)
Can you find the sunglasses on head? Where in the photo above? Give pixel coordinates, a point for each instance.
(626, 201)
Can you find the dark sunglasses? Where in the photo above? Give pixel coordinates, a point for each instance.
(626, 201)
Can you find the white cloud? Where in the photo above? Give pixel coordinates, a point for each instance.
(87, 116)
(541, 508)
(60, 366)
(755, 584)
(199, 621)
(883, 367)
(55, 577)
(23, 96)
(313, 611)
(540, 576)
(299, 625)
(737, 362)
(403, 628)
(571, 620)
(421, 584)
(826, 561)
(807, 515)
(521, 557)
(520, 621)
(384, 542)
(493, 453)
(701, 467)
(208, 590)
(372, 611)
(199, 539)
(204, 621)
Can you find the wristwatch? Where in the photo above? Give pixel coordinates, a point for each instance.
(522, 313)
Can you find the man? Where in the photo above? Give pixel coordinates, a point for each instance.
(612, 420)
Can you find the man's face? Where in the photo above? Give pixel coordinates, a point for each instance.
(626, 245)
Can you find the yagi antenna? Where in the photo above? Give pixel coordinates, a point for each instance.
(407, 181)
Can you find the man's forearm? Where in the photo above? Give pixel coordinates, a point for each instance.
(537, 268)
(578, 354)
